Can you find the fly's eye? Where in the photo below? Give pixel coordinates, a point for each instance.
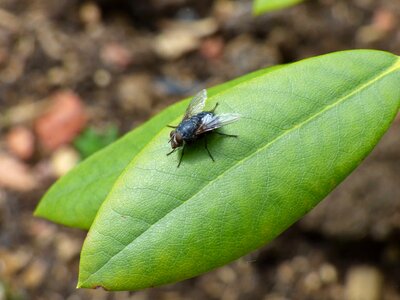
(178, 137)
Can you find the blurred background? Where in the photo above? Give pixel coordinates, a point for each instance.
(76, 75)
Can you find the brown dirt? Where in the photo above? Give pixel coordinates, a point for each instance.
(105, 51)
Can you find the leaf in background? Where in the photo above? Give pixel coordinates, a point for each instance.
(303, 129)
(90, 141)
(263, 6)
(75, 198)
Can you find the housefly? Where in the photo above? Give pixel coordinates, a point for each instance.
(197, 123)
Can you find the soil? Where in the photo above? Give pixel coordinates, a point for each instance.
(118, 60)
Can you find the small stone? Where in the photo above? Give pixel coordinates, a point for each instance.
(368, 34)
(182, 37)
(35, 274)
(20, 142)
(227, 275)
(174, 43)
(212, 48)
(134, 93)
(300, 264)
(312, 282)
(57, 76)
(42, 232)
(285, 273)
(384, 20)
(102, 78)
(116, 56)
(15, 175)
(13, 262)
(62, 122)
(364, 283)
(90, 13)
(67, 248)
(63, 160)
(328, 273)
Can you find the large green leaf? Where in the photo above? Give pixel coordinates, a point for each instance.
(75, 198)
(304, 128)
(263, 6)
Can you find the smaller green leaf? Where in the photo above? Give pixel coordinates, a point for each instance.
(90, 141)
(263, 6)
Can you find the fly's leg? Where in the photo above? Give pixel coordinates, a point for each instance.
(224, 134)
(183, 152)
(208, 151)
(169, 153)
(172, 126)
(215, 107)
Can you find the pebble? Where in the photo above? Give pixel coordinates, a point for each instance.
(134, 93)
(63, 121)
(21, 142)
(57, 76)
(227, 274)
(328, 273)
(212, 48)
(63, 160)
(102, 78)
(182, 37)
(300, 264)
(285, 273)
(43, 233)
(364, 283)
(15, 175)
(24, 112)
(89, 13)
(67, 248)
(34, 275)
(384, 20)
(312, 282)
(116, 55)
(12, 262)
(245, 54)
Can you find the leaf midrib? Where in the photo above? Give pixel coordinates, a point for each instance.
(395, 66)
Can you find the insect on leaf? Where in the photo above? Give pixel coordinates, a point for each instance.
(76, 197)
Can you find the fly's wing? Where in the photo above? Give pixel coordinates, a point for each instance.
(211, 122)
(196, 105)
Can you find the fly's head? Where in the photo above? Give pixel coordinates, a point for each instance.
(176, 139)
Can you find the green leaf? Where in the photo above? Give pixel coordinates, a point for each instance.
(90, 141)
(263, 6)
(75, 198)
(304, 128)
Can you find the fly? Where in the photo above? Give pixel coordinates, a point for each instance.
(197, 123)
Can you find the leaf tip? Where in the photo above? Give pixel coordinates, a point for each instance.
(37, 212)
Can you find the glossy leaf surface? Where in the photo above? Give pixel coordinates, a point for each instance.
(304, 128)
(263, 6)
(75, 198)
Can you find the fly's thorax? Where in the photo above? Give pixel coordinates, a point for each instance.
(188, 128)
